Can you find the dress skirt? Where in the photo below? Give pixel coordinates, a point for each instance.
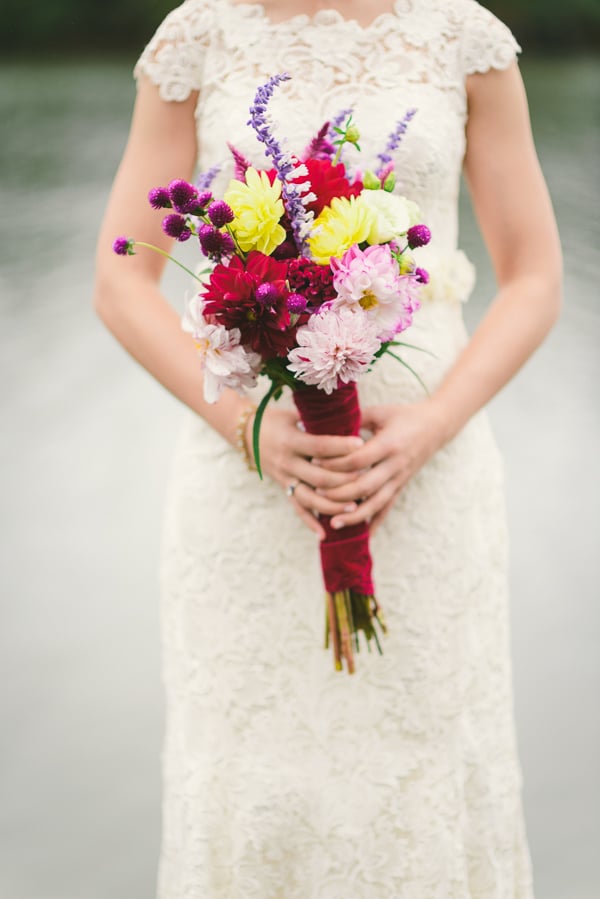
(284, 779)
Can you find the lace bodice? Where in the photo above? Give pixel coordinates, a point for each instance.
(416, 56)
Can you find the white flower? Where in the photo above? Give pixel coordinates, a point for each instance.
(393, 215)
(336, 345)
(225, 362)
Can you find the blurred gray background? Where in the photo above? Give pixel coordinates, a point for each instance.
(84, 457)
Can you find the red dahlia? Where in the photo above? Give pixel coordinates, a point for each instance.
(232, 297)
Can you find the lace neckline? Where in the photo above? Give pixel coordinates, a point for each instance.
(331, 17)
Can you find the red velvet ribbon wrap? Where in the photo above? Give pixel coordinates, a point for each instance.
(345, 556)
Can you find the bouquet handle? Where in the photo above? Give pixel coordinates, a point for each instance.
(345, 556)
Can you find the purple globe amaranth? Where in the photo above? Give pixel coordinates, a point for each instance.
(266, 293)
(418, 236)
(213, 243)
(159, 198)
(182, 195)
(422, 275)
(197, 205)
(123, 246)
(176, 226)
(220, 213)
(296, 303)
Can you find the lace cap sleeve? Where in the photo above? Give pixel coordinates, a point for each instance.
(174, 58)
(487, 42)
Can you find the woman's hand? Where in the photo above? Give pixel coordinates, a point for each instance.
(286, 454)
(404, 438)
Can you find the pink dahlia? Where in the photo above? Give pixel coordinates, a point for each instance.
(337, 345)
(370, 280)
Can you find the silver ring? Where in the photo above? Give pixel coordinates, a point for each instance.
(290, 489)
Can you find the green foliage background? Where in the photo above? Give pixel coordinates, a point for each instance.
(107, 26)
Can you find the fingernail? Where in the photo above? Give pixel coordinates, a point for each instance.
(336, 525)
(357, 441)
(318, 491)
(315, 461)
(351, 507)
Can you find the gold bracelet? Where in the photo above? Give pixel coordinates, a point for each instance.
(240, 436)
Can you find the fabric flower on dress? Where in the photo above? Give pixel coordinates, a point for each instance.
(337, 345)
(258, 209)
(225, 362)
(339, 226)
(369, 280)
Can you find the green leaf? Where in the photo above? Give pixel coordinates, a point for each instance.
(274, 389)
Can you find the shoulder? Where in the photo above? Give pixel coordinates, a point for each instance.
(173, 59)
(465, 36)
(189, 13)
(485, 41)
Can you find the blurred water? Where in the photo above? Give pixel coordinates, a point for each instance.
(85, 448)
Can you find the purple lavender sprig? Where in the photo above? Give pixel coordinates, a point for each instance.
(283, 163)
(205, 179)
(394, 139)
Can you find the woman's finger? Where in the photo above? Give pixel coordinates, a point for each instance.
(309, 499)
(309, 519)
(367, 484)
(367, 510)
(369, 454)
(323, 446)
(380, 516)
(315, 475)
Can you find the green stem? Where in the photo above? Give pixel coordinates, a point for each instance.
(241, 253)
(150, 246)
(411, 370)
(258, 421)
(412, 346)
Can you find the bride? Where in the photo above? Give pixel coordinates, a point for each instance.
(283, 778)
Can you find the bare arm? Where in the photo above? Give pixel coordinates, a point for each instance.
(516, 219)
(161, 147)
(515, 215)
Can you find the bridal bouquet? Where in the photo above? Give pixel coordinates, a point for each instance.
(312, 280)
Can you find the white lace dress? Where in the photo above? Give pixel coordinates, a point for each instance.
(282, 778)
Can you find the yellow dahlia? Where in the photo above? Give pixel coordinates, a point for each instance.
(257, 209)
(338, 227)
